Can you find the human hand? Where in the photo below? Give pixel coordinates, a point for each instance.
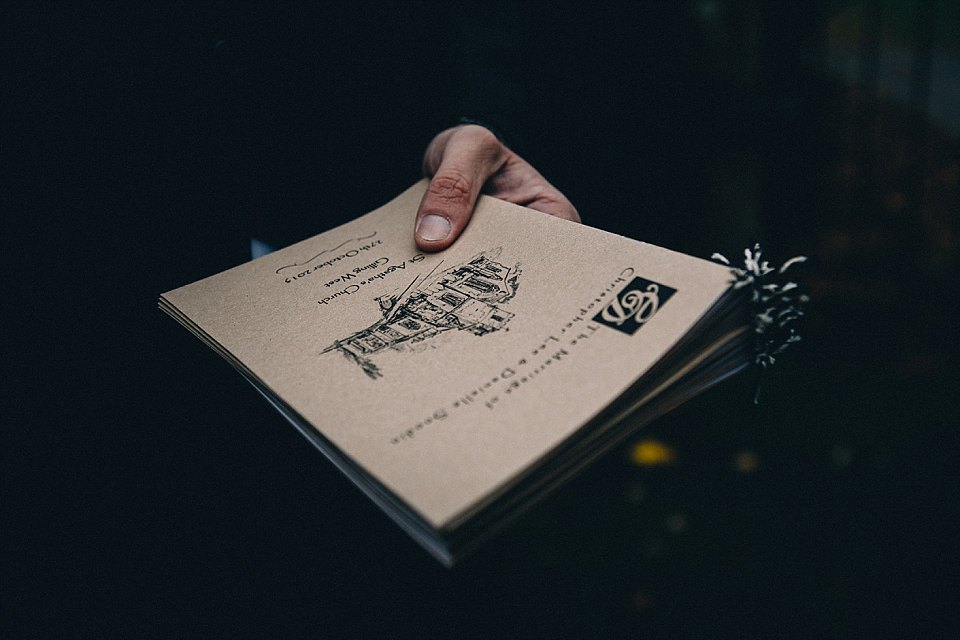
(465, 159)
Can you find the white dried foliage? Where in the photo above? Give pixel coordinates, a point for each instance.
(775, 306)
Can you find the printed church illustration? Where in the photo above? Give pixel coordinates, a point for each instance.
(462, 298)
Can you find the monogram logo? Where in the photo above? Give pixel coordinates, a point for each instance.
(635, 305)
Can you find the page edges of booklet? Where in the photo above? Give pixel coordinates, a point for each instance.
(439, 542)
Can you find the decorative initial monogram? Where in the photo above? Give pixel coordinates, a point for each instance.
(635, 305)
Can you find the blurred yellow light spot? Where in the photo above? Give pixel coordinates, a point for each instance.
(745, 462)
(652, 453)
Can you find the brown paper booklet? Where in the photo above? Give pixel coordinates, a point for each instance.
(457, 388)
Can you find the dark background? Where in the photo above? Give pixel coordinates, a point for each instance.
(149, 492)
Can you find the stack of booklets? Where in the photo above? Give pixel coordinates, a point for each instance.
(458, 388)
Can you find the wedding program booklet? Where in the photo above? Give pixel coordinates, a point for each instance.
(457, 388)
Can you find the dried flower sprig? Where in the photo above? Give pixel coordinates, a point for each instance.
(775, 306)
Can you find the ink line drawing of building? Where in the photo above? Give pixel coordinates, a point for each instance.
(462, 298)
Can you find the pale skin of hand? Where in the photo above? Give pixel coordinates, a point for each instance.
(461, 162)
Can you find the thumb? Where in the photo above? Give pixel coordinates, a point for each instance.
(467, 158)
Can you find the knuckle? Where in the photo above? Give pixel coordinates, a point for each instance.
(490, 146)
(478, 131)
(451, 187)
(485, 143)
